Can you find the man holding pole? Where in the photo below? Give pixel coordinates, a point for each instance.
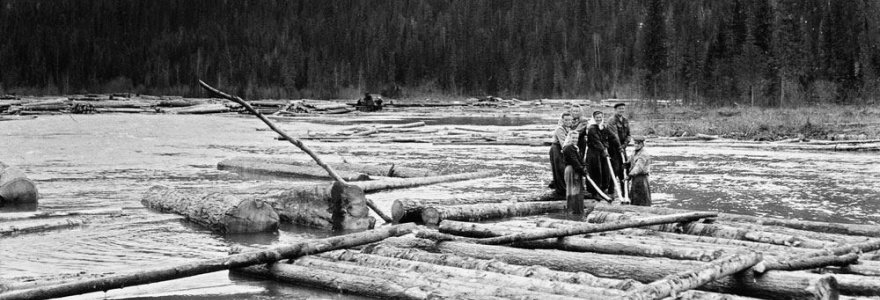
(618, 125)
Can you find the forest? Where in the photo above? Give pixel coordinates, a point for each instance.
(722, 52)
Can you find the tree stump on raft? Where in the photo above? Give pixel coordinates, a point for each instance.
(15, 187)
(220, 212)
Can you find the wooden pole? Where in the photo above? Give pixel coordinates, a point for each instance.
(292, 140)
(683, 281)
(592, 228)
(294, 250)
(614, 178)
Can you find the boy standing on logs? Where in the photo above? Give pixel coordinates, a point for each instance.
(640, 190)
(574, 172)
(557, 162)
(619, 126)
(598, 140)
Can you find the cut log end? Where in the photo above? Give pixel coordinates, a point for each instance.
(19, 190)
(397, 211)
(251, 216)
(430, 216)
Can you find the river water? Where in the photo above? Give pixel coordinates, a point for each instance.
(106, 161)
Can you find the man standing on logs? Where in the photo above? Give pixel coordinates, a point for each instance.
(599, 140)
(618, 125)
(557, 162)
(640, 190)
(574, 172)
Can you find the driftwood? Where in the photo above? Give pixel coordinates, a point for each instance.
(475, 212)
(486, 277)
(533, 271)
(15, 187)
(410, 210)
(773, 284)
(595, 244)
(398, 183)
(217, 211)
(676, 283)
(274, 254)
(259, 166)
(31, 226)
(293, 141)
(44, 214)
(592, 228)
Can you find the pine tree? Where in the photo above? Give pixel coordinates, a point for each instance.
(655, 59)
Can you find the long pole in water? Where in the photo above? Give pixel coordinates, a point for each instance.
(625, 179)
(593, 183)
(292, 140)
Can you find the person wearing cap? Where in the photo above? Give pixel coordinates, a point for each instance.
(557, 161)
(618, 125)
(640, 190)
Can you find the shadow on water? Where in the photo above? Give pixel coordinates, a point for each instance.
(17, 207)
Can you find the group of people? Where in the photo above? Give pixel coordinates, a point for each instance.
(368, 104)
(591, 152)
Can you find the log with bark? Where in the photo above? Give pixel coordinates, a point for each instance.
(273, 254)
(841, 228)
(31, 226)
(804, 263)
(475, 212)
(15, 187)
(410, 210)
(255, 163)
(596, 244)
(533, 271)
(217, 211)
(468, 275)
(332, 205)
(673, 284)
(774, 284)
(260, 166)
(398, 183)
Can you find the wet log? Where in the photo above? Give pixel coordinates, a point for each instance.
(372, 170)
(725, 242)
(532, 271)
(476, 212)
(840, 228)
(217, 211)
(306, 247)
(204, 109)
(31, 226)
(388, 284)
(596, 244)
(804, 263)
(15, 187)
(683, 281)
(44, 214)
(258, 166)
(592, 228)
(332, 205)
(492, 278)
(729, 232)
(772, 284)
(399, 183)
(410, 210)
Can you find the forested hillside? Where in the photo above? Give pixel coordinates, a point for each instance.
(766, 52)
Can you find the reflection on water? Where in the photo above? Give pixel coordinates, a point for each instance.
(104, 161)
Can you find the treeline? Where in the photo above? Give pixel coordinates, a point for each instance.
(766, 52)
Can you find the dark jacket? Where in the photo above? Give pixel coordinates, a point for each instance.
(573, 159)
(619, 125)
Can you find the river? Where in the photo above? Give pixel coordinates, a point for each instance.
(104, 161)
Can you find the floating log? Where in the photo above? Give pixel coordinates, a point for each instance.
(331, 205)
(410, 210)
(596, 244)
(216, 211)
(306, 247)
(728, 242)
(15, 187)
(258, 166)
(372, 170)
(804, 263)
(204, 109)
(593, 228)
(729, 232)
(773, 284)
(43, 214)
(533, 271)
(475, 212)
(30, 226)
(398, 183)
(676, 283)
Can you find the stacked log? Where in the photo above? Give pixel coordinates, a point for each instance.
(15, 187)
(217, 211)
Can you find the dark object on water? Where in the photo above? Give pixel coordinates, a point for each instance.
(15, 187)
